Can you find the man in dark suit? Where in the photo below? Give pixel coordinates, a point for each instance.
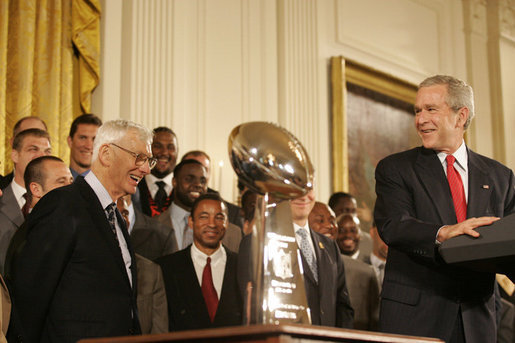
(424, 197)
(154, 193)
(360, 277)
(76, 275)
(326, 287)
(200, 280)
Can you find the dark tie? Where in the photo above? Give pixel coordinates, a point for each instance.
(209, 291)
(457, 191)
(26, 207)
(111, 217)
(161, 195)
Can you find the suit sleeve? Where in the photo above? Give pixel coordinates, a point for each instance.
(395, 214)
(160, 305)
(344, 310)
(49, 246)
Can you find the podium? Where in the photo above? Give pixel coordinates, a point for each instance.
(493, 251)
(269, 334)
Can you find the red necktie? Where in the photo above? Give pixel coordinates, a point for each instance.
(208, 290)
(457, 191)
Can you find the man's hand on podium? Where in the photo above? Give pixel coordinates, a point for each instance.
(466, 227)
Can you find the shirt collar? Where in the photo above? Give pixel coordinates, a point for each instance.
(178, 212)
(199, 255)
(376, 261)
(298, 227)
(99, 189)
(152, 179)
(18, 191)
(460, 155)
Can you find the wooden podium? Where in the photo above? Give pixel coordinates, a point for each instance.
(268, 334)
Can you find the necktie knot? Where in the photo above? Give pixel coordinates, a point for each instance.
(160, 184)
(450, 160)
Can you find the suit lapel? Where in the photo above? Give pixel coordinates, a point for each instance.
(101, 223)
(191, 286)
(432, 178)
(480, 187)
(10, 207)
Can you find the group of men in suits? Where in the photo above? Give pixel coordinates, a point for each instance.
(76, 273)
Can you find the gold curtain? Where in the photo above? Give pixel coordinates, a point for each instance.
(49, 65)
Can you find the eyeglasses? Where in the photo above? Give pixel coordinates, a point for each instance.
(140, 158)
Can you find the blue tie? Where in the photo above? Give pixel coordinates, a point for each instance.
(308, 252)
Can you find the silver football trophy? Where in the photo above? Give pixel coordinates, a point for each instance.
(270, 161)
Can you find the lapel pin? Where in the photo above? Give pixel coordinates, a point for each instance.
(320, 245)
(486, 186)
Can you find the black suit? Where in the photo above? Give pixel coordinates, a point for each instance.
(71, 281)
(328, 299)
(421, 295)
(6, 180)
(186, 307)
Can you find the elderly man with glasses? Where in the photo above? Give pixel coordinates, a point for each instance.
(76, 275)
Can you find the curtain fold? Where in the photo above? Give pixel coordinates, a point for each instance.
(37, 56)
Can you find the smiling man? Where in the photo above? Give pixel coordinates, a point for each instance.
(425, 196)
(155, 191)
(200, 281)
(322, 220)
(82, 134)
(189, 182)
(76, 274)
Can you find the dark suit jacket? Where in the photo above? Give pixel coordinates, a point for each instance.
(6, 180)
(421, 295)
(328, 299)
(71, 281)
(186, 307)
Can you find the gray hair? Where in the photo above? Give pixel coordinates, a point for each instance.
(114, 130)
(459, 93)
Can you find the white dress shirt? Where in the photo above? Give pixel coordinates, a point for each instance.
(218, 260)
(105, 199)
(153, 188)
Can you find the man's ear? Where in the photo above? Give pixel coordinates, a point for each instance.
(36, 189)
(463, 115)
(15, 156)
(105, 154)
(69, 140)
(174, 182)
(190, 222)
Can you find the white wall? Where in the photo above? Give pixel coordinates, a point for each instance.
(204, 66)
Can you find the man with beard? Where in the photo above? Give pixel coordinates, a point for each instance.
(189, 182)
(200, 280)
(82, 134)
(154, 194)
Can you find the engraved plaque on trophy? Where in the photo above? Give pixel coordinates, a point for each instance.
(273, 163)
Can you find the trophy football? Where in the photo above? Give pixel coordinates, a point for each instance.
(270, 161)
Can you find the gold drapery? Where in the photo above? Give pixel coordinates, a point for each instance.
(42, 42)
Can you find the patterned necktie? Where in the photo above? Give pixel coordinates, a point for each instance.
(209, 291)
(308, 252)
(160, 196)
(457, 191)
(111, 217)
